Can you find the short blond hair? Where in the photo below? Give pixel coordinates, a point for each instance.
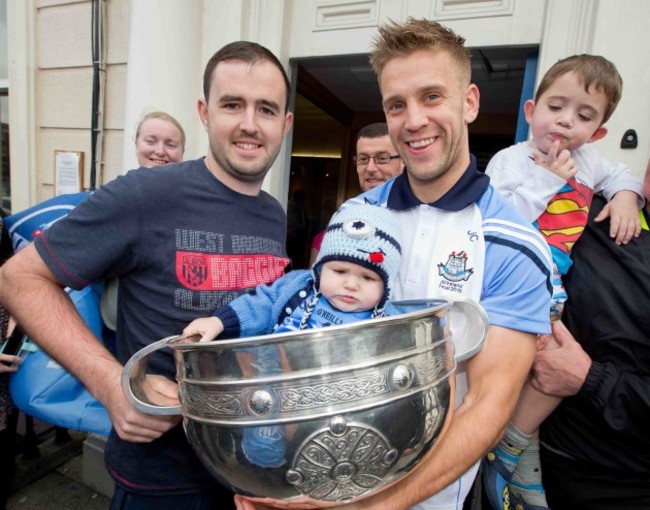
(591, 70)
(162, 116)
(402, 39)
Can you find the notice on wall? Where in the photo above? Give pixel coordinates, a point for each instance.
(68, 172)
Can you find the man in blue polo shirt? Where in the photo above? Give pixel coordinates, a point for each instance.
(461, 239)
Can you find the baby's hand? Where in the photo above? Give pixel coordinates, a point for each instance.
(623, 212)
(208, 327)
(560, 164)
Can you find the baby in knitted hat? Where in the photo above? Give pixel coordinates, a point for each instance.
(351, 280)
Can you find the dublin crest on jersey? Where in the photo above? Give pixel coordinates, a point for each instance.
(455, 269)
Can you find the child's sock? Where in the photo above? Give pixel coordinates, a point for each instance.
(510, 447)
(526, 483)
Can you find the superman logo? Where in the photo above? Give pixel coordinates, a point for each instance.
(566, 215)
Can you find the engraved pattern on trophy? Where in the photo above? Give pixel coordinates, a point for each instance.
(421, 370)
(341, 462)
(310, 396)
(215, 404)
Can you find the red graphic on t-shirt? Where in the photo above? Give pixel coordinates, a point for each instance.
(566, 215)
(202, 271)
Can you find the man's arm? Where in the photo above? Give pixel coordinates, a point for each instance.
(38, 302)
(495, 376)
(621, 397)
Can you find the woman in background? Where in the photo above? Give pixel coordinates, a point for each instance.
(159, 140)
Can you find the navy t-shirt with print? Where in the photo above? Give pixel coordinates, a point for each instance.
(182, 244)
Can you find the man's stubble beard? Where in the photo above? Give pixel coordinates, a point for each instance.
(441, 166)
(241, 173)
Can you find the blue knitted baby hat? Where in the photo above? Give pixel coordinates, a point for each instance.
(367, 235)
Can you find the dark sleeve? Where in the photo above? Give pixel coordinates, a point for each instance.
(621, 397)
(97, 240)
(607, 312)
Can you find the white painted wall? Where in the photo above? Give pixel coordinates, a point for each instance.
(157, 50)
(330, 27)
(164, 69)
(22, 151)
(50, 61)
(621, 35)
(616, 29)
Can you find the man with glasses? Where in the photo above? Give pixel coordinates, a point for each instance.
(377, 160)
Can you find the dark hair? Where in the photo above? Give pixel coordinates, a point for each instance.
(244, 51)
(376, 130)
(591, 70)
(402, 39)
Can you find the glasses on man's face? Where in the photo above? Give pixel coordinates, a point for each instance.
(384, 159)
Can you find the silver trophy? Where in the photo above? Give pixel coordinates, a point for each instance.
(323, 416)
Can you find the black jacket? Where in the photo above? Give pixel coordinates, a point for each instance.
(607, 424)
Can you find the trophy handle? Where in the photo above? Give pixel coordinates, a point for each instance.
(133, 376)
(469, 325)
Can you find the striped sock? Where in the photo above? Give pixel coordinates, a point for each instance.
(509, 449)
(526, 481)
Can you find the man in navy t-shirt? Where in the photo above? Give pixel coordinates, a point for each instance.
(183, 239)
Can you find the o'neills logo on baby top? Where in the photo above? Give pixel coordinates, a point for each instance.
(202, 271)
